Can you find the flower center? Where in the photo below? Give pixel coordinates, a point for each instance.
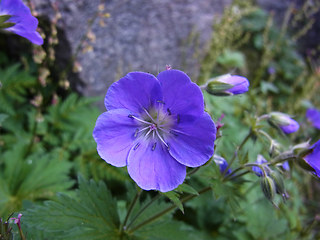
(155, 125)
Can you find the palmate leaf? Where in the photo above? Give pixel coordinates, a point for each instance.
(175, 198)
(15, 85)
(92, 214)
(39, 176)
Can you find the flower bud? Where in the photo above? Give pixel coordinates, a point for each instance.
(257, 170)
(268, 187)
(285, 166)
(227, 85)
(278, 181)
(222, 163)
(312, 159)
(302, 149)
(283, 121)
(313, 116)
(274, 148)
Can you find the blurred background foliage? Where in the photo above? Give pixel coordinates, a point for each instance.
(46, 143)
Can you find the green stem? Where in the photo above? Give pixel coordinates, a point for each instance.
(193, 171)
(238, 149)
(266, 135)
(21, 234)
(165, 211)
(143, 209)
(132, 204)
(286, 156)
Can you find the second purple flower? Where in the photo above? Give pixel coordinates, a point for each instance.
(24, 24)
(156, 126)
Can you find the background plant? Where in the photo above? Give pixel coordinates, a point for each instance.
(48, 155)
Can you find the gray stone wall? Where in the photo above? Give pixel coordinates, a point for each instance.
(144, 35)
(140, 35)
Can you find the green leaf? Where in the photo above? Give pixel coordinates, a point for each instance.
(231, 58)
(6, 25)
(4, 18)
(263, 223)
(39, 176)
(187, 189)
(268, 87)
(91, 214)
(174, 197)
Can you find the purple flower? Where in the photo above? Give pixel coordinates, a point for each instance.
(227, 85)
(222, 163)
(25, 23)
(285, 165)
(313, 158)
(271, 70)
(284, 122)
(156, 127)
(257, 170)
(313, 115)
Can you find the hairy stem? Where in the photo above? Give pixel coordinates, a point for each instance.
(132, 204)
(165, 211)
(143, 209)
(238, 149)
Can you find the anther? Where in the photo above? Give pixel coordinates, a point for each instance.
(159, 101)
(169, 112)
(136, 146)
(138, 119)
(154, 146)
(136, 132)
(172, 132)
(178, 118)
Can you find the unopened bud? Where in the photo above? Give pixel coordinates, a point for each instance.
(268, 187)
(302, 149)
(227, 85)
(257, 170)
(278, 181)
(274, 148)
(283, 121)
(222, 163)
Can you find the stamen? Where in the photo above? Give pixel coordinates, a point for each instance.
(159, 101)
(172, 132)
(138, 119)
(149, 115)
(144, 129)
(161, 138)
(169, 112)
(169, 132)
(178, 131)
(136, 146)
(148, 132)
(154, 146)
